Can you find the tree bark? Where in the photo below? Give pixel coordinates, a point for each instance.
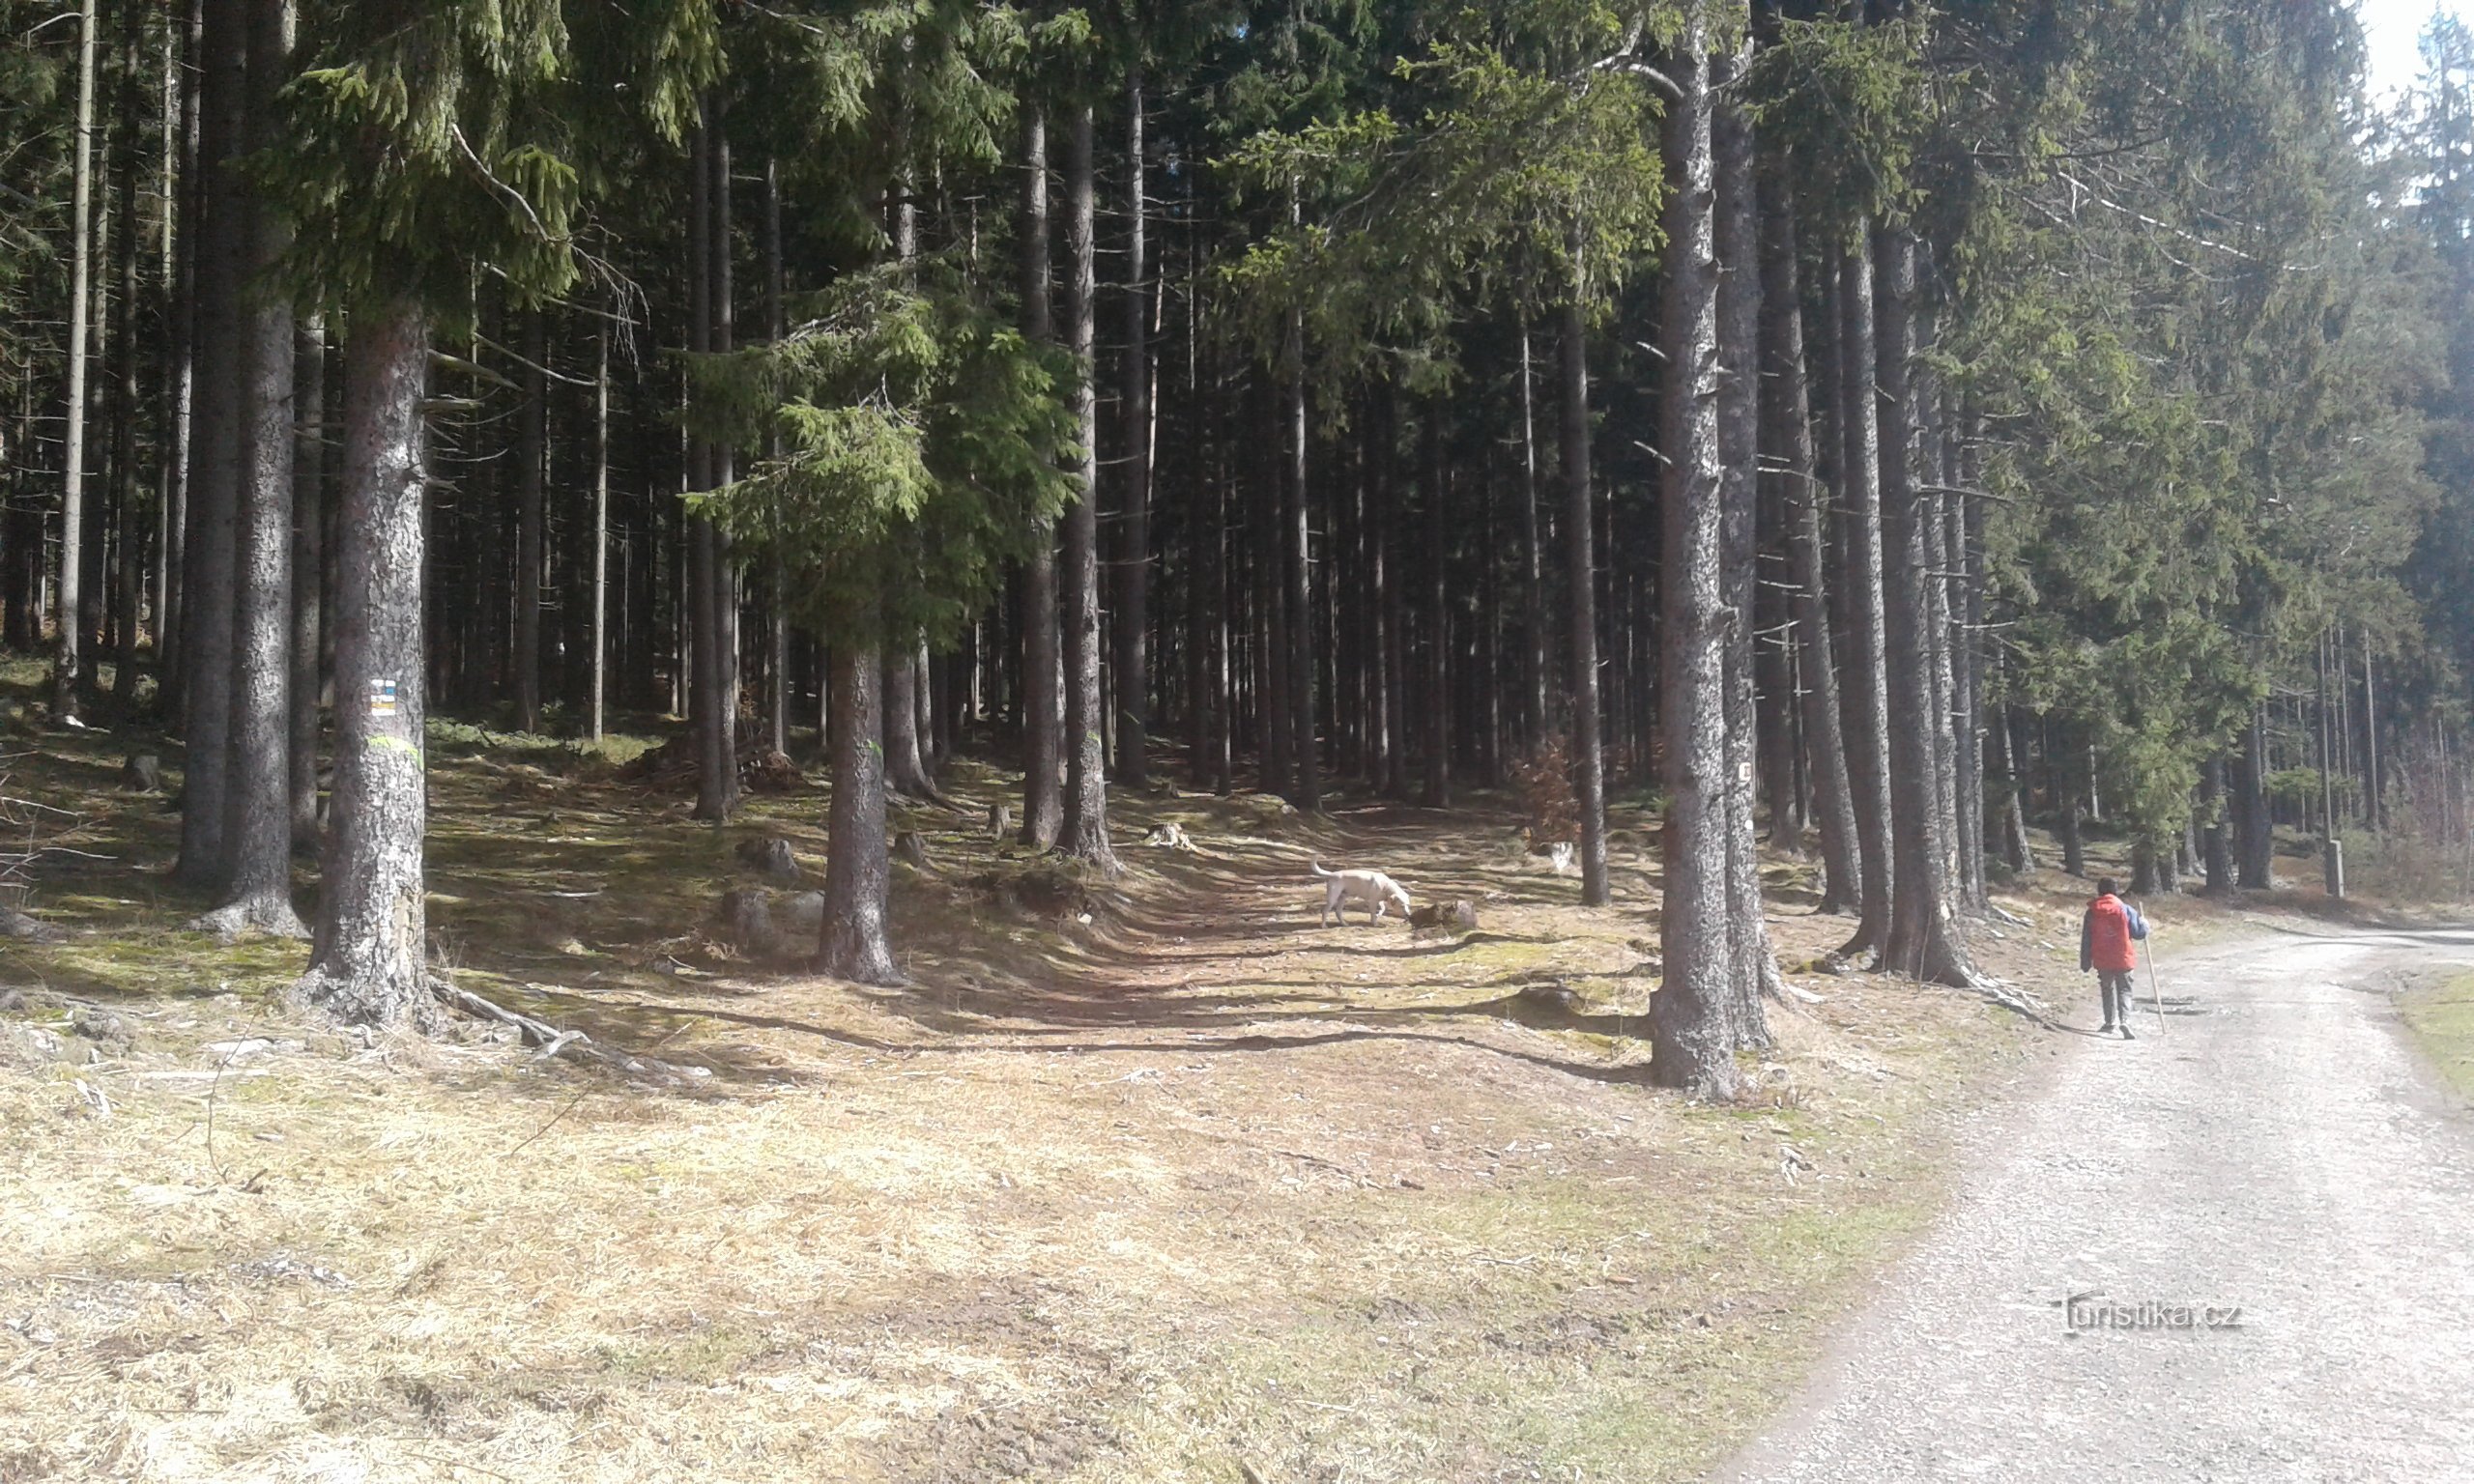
(1274, 736)
(1865, 690)
(704, 662)
(1532, 589)
(308, 564)
(1825, 748)
(1737, 260)
(2254, 829)
(1437, 791)
(1305, 752)
(532, 455)
(1971, 664)
(600, 528)
(67, 672)
(1588, 751)
(1921, 942)
(2006, 772)
(131, 548)
(1043, 740)
(1085, 835)
(2066, 779)
(1392, 598)
(2218, 852)
(1692, 1041)
(906, 769)
(182, 194)
(854, 944)
(777, 635)
(1133, 570)
(368, 964)
(2371, 780)
(713, 694)
(258, 829)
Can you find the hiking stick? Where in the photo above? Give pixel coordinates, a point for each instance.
(2154, 998)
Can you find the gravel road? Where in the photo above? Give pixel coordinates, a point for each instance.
(2275, 1148)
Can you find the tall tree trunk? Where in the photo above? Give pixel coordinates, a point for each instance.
(1133, 570)
(532, 456)
(1085, 835)
(1691, 1037)
(1043, 740)
(1865, 691)
(777, 628)
(2254, 829)
(1219, 737)
(1926, 472)
(906, 768)
(368, 964)
(706, 716)
(715, 598)
(2006, 777)
(309, 564)
(1588, 751)
(2065, 775)
(129, 551)
(1437, 791)
(2371, 780)
(1391, 582)
(258, 829)
(600, 527)
(854, 944)
(1921, 942)
(1736, 246)
(1971, 665)
(2217, 853)
(182, 194)
(1532, 589)
(1842, 884)
(68, 674)
(1304, 751)
(1275, 737)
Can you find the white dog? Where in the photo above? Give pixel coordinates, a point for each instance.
(1371, 890)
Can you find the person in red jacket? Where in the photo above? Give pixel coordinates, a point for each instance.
(2105, 937)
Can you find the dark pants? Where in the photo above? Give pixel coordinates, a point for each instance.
(2116, 985)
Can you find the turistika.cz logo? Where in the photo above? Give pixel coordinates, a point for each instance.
(2093, 1311)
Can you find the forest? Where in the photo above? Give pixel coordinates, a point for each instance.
(1865, 432)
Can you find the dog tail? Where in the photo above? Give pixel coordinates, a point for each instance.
(1319, 870)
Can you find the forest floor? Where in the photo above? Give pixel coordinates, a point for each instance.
(1194, 1189)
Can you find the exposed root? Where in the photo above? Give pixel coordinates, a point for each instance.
(2012, 998)
(553, 1041)
(272, 916)
(372, 1003)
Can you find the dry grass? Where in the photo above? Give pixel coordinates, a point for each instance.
(2442, 1016)
(1194, 1192)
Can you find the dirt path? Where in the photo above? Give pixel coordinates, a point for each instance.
(2274, 1148)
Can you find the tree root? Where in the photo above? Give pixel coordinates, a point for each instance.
(552, 1041)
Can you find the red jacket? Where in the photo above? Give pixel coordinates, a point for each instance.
(2105, 937)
